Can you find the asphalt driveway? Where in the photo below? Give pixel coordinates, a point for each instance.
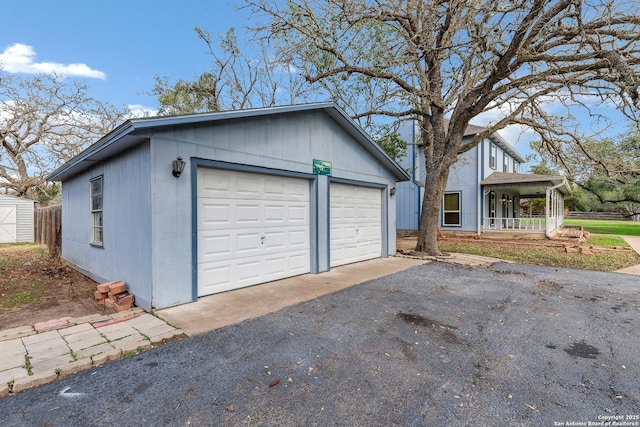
(436, 345)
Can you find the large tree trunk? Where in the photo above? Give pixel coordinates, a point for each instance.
(434, 187)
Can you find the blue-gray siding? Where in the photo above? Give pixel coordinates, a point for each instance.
(126, 218)
(286, 142)
(464, 178)
(159, 270)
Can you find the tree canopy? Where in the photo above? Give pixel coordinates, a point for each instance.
(444, 63)
(44, 121)
(607, 168)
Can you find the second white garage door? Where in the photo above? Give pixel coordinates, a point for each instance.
(356, 223)
(252, 228)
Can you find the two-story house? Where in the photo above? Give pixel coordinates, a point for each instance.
(486, 192)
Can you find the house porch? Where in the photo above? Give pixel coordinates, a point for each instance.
(509, 205)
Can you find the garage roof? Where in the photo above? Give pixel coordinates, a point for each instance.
(134, 131)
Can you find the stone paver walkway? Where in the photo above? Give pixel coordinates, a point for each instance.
(38, 354)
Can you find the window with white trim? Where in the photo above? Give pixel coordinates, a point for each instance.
(505, 162)
(451, 209)
(516, 167)
(96, 210)
(493, 155)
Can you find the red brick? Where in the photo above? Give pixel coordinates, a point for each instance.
(118, 308)
(100, 295)
(104, 287)
(117, 287)
(586, 251)
(101, 301)
(102, 323)
(125, 298)
(109, 302)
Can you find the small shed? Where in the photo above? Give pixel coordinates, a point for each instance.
(186, 206)
(16, 219)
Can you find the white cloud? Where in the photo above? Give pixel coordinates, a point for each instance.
(19, 58)
(137, 110)
(517, 135)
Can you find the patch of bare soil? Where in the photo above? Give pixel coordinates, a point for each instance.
(35, 287)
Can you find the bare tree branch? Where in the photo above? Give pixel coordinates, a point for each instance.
(446, 62)
(44, 121)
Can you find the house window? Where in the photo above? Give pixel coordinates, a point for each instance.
(96, 211)
(505, 162)
(516, 167)
(451, 211)
(493, 155)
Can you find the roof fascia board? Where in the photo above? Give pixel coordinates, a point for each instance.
(124, 129)
(132, 125)
(152, 122)
(366, 140)
(503, 143)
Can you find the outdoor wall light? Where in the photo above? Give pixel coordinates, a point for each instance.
(392, 192)
(178, 166)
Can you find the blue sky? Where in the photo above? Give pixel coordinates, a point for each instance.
(118, 46)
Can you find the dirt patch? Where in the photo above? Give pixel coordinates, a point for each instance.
(35, 288)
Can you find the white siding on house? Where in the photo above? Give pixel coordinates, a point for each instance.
(16, 219)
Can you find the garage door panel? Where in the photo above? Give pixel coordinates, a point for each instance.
(298, 263)
(298, 238)
(274, 213)
(215, 214)
(356, 223)
(298, 214)
(213, 245)
(275, 266)
(251, 240)
(248, 272)
(298, 191)
(216, 274)
(275, 241)
(248, 243)
(247, 213)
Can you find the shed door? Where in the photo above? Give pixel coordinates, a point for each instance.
(252, 228)
(8, 225)
(356, 223)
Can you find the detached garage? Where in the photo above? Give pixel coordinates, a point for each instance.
(187, 206)
(16, 219)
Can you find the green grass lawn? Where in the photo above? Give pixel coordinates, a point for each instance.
(622, 228)
(604, 241)
(552, 256)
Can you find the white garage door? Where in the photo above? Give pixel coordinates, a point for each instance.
(356, 223)
(8, 224)
(252, 228)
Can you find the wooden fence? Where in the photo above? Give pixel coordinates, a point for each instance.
(596, 215)
(48, 228)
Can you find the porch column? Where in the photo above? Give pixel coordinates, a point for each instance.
(547, 222)
(552, 197)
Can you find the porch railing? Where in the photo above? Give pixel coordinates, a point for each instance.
(530, 223)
